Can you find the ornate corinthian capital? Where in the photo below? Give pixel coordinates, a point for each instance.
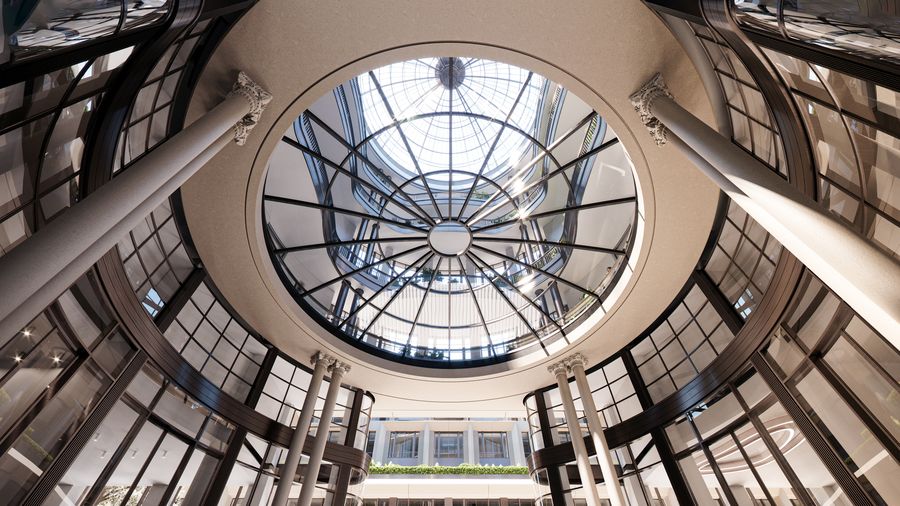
(642, 100)
(258, 99)
(339, 367)
(320, 357)
(558, 368)
(575, 359)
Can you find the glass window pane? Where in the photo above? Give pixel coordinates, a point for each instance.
(448, 445)
(94, 457)
(404, 445)
(699, 477)
(39, 445)
(864, 454)
(717, 413)
(181, 411)
(197, 476)
(805, 463)
(492, 445)
(128, 469)
(31, 371)
(870, 386)
(154, 481)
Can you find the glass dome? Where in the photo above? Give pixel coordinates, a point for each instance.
(450, 211)
(422, 95)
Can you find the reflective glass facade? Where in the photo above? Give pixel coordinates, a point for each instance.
(140, 383)
(806, 418)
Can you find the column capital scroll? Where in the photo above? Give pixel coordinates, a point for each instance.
(258, 98)
(558, 368)
(642, 100)
(322, 357)
(339, 367)
(576, 359)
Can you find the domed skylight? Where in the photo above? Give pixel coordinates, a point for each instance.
(450, 211)
(423, 95)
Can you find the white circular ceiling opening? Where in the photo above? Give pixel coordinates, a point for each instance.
(451, 212)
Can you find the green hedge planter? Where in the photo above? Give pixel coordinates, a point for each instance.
(469, 469)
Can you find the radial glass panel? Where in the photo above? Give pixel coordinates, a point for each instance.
(450, 210)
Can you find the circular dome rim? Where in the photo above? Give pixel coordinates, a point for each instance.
(546, 346)
(254, 291)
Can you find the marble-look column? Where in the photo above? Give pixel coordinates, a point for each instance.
(379, 454)
(426, 448)
(516, 449)
(320, 362)
(337, 370)
(861, 274)
(37, 271)
(576, 364)
(560, 371)
(471, 445)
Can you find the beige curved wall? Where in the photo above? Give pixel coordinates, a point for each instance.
(299, 50)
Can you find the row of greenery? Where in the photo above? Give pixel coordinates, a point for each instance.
(391, 468)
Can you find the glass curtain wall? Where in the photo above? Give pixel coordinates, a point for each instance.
(812, 419)
(44, 121)
(57, 374)
(156, 446)
(35, 28)
(854, 126)
(867, 29)
(84, 415)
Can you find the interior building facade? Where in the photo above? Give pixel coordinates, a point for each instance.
(271, 252)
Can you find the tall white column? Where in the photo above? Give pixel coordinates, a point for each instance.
(426, 446)
(379, 455)
(337, 370)
(36, 272)
(320, 362)
(471, 445)
(582, 460)
(860, 273)
(595, 426)
(516, 449)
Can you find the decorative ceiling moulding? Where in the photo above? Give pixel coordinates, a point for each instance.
(258, 98)
(283, 318)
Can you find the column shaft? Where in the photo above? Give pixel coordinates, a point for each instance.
(862, 275)
(426, 447)
(41, 268)
(601, 447)
(471, 445)
(295, 451)
(318, 450)
(581, 456)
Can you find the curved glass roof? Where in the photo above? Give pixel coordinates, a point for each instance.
(450, 211)
(423, 94)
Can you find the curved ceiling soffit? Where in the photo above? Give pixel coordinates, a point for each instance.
(624, 127)
(552, 289)
(643, 184)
